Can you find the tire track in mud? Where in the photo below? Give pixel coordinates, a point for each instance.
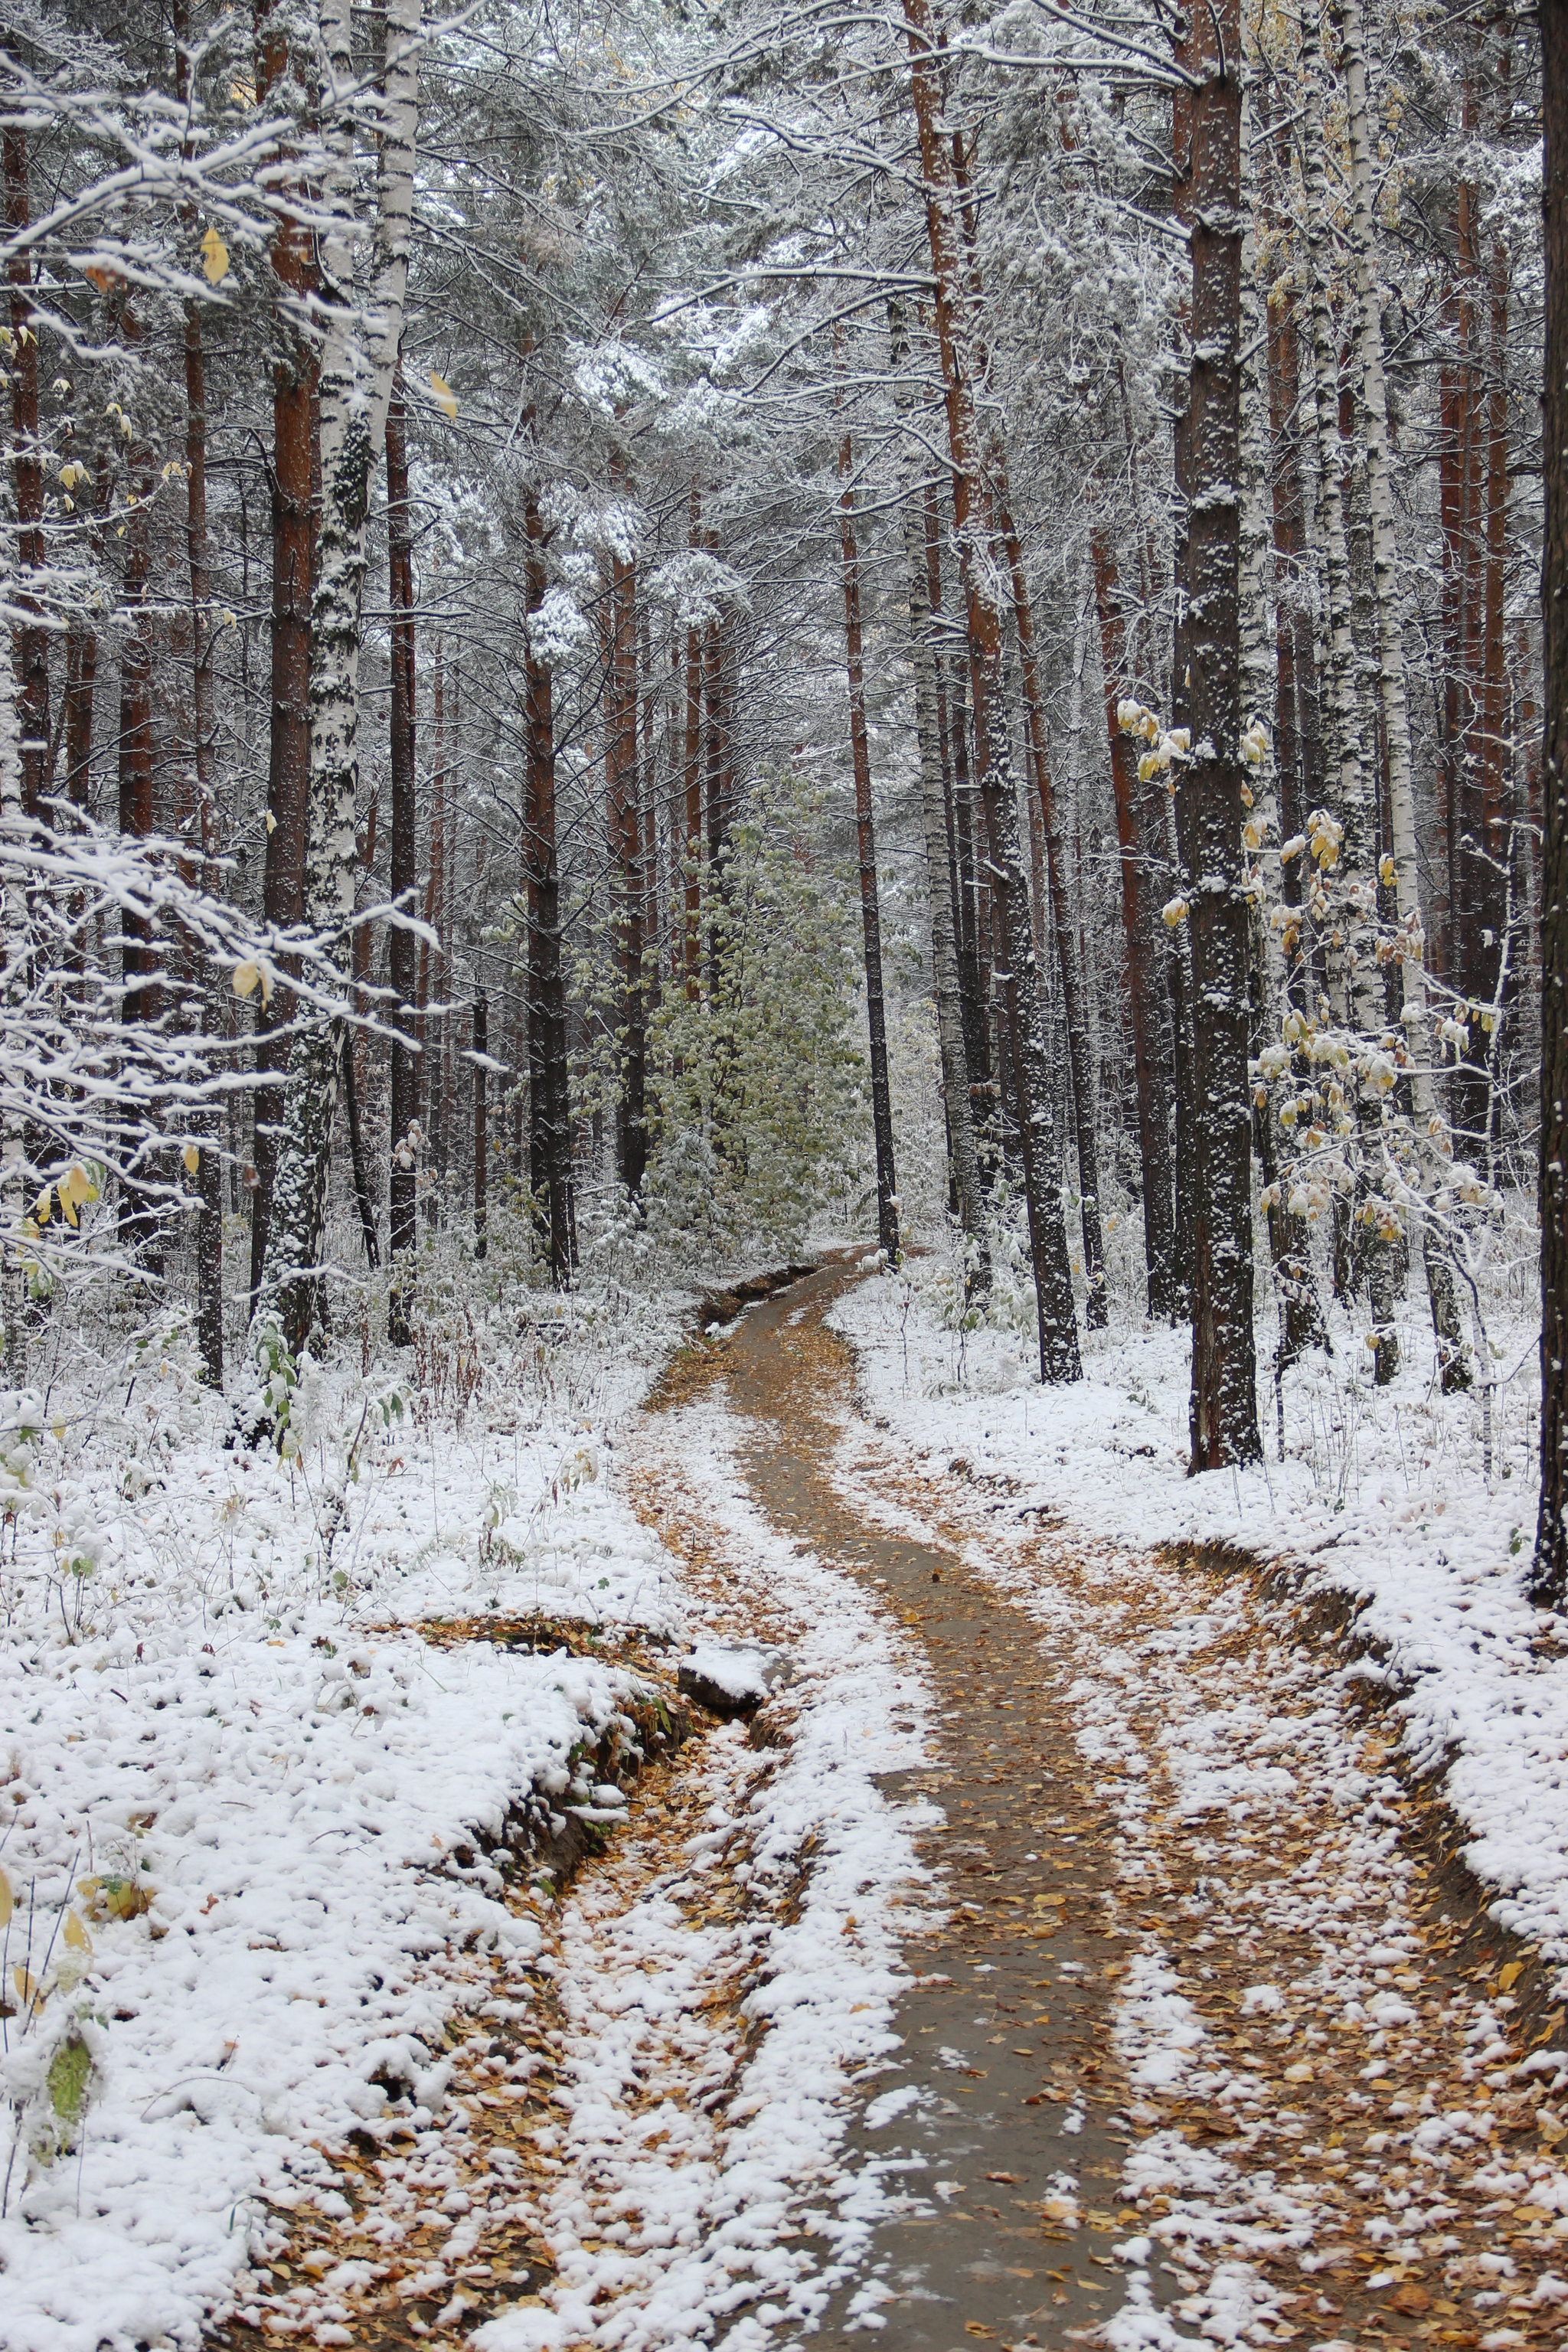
(1298, 2119)
(1184, 2053)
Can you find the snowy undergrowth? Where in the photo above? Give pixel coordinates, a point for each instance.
(236, 1788)
(1381, 1493)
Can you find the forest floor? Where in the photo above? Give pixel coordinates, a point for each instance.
(1064, 1953)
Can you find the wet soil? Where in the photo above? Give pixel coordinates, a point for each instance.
(1343, 2229)
(1011, 2104)
(1012, 2119)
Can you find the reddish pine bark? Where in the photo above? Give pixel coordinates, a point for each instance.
(1549, 1584)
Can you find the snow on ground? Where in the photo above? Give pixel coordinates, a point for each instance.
(823, 1968)
(1381, 1494)
(235, 1789)
(1313, 2093)
(237, 1796)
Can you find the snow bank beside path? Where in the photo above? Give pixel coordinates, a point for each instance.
(236, 1791)
(1380, 1495)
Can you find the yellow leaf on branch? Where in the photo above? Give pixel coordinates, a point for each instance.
(215, 256)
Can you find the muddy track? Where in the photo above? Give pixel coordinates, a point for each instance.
(1188, 2039)
(1245, 2027)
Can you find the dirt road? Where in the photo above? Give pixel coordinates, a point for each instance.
(1187, 2045)
(1197, 2033)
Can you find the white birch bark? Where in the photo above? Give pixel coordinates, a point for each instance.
(1342, 741)
(359, 356)
(13, 951)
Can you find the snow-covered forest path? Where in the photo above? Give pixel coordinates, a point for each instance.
(1189, 2041)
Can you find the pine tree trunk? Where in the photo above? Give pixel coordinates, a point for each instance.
(481, 1126)
(958, 823)
(1074, 1008)
(1142, 975)
(1550, 1579)
(866, 843)
(403, 1114)
(625, 795)
(289, 731)
(1223, 1406)
(1038, 1136)
(955, 1079)
(355, 393)
(549, 1089)
(1452, 1357)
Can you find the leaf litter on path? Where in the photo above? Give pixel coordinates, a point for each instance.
(1182, 1900)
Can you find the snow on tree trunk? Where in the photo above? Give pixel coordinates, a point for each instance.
(1453, 1361)
(30, 638)
(401, 953)
(1222, 1409)
(14, 952)
(866, 849)
(1135, 855)
(1075, 1010)
(279, 73)
(357, 367)
(1551, 1571)
(1038, 1134)
(549, 1107)
(961, 1145)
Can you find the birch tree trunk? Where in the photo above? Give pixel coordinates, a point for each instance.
(14, 950)
(356, 393)
(208, 1171)
(30, 637)
(402, 956)
(1452, 1358)
(141, 1225)
(1342, 734)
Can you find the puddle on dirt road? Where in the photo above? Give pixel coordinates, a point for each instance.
(995, 2127)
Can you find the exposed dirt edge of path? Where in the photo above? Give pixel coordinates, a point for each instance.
(1489, 1954)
